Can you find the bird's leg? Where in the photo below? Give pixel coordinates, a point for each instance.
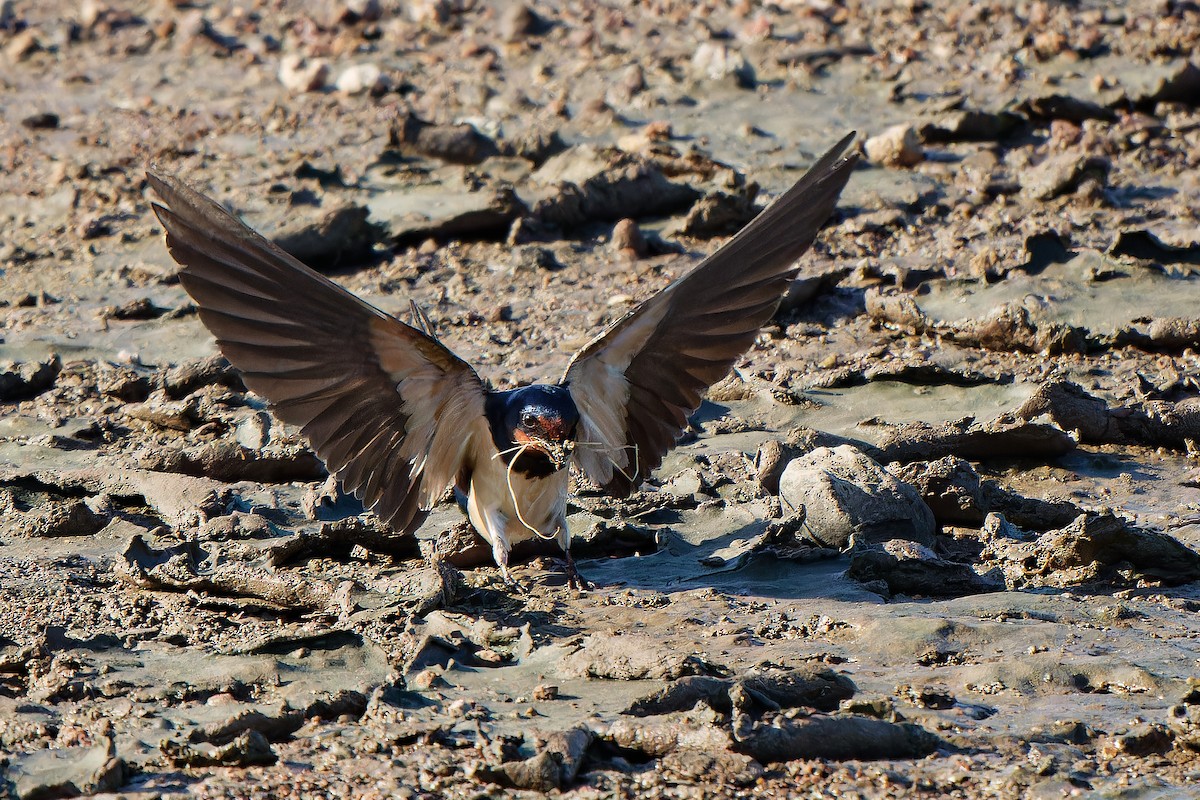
(492, 525)
(574, 579)
(500, 550)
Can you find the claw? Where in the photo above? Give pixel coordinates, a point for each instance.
(511, 583)
(574, 579)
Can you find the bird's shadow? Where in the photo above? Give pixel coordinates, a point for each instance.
(739, 566)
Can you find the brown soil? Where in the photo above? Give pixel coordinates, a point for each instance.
(1003, 314)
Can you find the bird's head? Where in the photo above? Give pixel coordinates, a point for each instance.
(534, 428)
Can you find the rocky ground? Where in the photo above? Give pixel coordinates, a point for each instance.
(934, 537)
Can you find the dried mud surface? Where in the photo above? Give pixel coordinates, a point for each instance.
(934, 537)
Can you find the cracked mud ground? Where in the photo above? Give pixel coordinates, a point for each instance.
(934, 537)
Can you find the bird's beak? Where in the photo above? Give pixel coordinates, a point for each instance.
(558, 452)
(561, 452)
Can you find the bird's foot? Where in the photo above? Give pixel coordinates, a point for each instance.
(574, 579)
(512, 584)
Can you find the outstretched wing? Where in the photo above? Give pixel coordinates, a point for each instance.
(637, 383)
(388, 408)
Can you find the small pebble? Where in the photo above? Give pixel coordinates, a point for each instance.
(518, 21)
(715, 61)
(426, 679)
(627, 239)
(436, 11)
(21, 46)
(898, 146)
(489, 656)
(301, 75)
(363, 78)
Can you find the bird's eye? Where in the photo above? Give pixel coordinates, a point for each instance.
(527, 420)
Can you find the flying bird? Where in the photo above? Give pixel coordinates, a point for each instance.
(399, 418)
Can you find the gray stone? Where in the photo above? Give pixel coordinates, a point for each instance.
(554, 767)
(836, 738)
(686, 482)
(846, 493)
(970, 126)
(324, 240)
(61, 518)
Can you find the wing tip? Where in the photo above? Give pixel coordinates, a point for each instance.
(165, 217)
(842, 156)
(163, 183)
(172, 199)
(843, 144)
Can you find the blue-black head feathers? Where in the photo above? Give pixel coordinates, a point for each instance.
(533, 427)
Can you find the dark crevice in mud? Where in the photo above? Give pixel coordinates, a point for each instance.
(29, 492)
(23, 488)
(1145, 246)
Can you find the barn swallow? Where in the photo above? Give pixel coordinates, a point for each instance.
(399, 418)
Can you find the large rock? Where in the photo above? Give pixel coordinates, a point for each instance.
(630, 657)
(585, 184)
(845, 493)
(1095, 548)
(837, 738)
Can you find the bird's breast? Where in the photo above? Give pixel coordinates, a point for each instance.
(538, 502)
